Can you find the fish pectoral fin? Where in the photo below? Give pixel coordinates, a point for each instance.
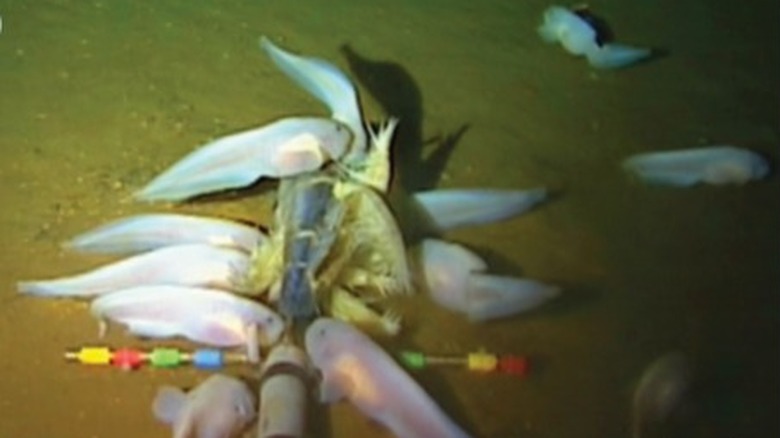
(252, 343)
(102, 328)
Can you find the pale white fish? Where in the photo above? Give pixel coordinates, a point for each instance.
(186, 265)
(354, 368)
(578, 37)
(328, 84)
(453, 208)
(219, 407)
(283, 148)
(561, 25)
(612, 55)
(146, 232)
(456, 280)
(715, 165)
(664, 386)
(208, 316)
(493, 296)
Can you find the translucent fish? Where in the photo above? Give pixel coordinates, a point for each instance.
(612, 55)
(221, 406)
(663, 387)
(355, 368)
(578, 37)
(563, 26)
(453, 208)
(192, 265)
(146, 232)
(715, 165)
(283, 148)
(325, 82)
(203, 315)
(455, 279)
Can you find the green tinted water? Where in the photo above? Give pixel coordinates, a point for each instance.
(97, 97)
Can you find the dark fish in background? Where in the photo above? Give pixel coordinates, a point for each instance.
(662, 390)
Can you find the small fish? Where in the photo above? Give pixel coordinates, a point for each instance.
(355, 368)
(186, 265)
(220, 407)
(714, 165)
(578, 36)
(146, 232)
(453, 208)
(290, 146)
(202, 315)
(455, 280)
(663, 387)
(327, 83)
(561, 25)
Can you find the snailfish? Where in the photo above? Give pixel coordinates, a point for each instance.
(220, 407)
(355, 368)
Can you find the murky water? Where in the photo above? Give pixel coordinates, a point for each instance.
(97, 97)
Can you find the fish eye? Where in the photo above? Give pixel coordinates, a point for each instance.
(240, 410)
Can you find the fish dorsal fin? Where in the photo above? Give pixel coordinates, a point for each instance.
(168, 403)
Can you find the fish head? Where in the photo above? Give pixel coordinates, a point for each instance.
(226, 407)
(323, 338)
(271, 327)
(336, 139)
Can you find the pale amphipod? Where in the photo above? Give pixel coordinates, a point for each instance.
(456, 279)
(580, 38)
(453, 208)
(715, 165)
(286, 147)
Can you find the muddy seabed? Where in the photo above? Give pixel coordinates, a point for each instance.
(97, 97)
